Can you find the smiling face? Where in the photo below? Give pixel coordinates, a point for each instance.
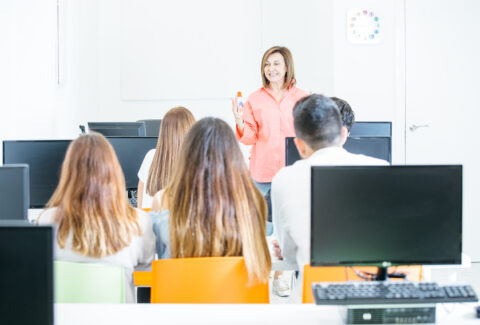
(275, 68)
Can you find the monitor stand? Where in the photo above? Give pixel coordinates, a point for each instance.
(383, 275)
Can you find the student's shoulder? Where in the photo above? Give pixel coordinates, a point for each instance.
(287, 173)
(367, 160)
(144, 218)
(150, 154)
(47, 216)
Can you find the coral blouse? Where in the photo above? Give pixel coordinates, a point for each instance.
(267, 122)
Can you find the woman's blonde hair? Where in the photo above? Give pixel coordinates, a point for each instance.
(175, 125)
(91, 200)
(287, 57)
(215, 209)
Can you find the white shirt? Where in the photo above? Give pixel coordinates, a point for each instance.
(140, 252)
(147, 200)
(290, 196)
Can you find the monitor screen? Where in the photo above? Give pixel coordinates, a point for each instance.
(14, 192)
(291, 151)
(118, 129)
(130, 152)
(26, 275)
(382, 215)
(152, 127)
(371, 129)
(376, 147)
(44, 158)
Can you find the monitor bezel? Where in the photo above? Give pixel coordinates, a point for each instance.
(138, 126)
(385, 264)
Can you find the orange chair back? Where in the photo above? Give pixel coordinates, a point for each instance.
(339, 274)
(201, 280)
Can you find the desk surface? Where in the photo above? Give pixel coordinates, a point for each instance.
(277, 314)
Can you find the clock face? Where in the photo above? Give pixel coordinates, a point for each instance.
(363, 26)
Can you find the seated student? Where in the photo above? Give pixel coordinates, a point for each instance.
(348, 116)
(93, 220)
(157, 165)
(214, 208)
(318, 126)
(281, 283)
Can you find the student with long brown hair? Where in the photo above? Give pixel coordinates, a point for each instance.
(93, 220)
(157, 165)
(214, 208)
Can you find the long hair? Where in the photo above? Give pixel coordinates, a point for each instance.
(288, 58)
(91, 200)
(215, 209)
(175, 125)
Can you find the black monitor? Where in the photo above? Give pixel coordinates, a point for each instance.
(376, 147)
(26, 274)
(386, 215)
(130, 152)
(44, 158)
(373, 139)
(152, 127)
(118, 129)
(14, 192)
(371, 129)
(291, 151)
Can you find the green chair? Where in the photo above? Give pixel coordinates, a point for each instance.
(88, 283)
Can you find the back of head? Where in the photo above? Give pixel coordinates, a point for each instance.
(91, 199)
(348, 116)
(174, 127)
(215, 209)
(317, 121)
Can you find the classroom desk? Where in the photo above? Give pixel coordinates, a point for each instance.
(277, 314)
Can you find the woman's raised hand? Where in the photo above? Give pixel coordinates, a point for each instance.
(237, 110)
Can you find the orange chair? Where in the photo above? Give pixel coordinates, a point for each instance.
(340, 274)
(201, 280)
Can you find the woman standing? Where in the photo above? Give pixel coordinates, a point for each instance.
(266, 119)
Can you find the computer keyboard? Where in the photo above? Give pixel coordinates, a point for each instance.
(385, 292)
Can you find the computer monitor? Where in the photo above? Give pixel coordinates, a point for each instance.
(14, 192)
(386, 215)
(26, 274)
(373, 139)
(44, 158)
(152, 127)
(371, 129)
(291, 151)
(118, 129)
(130, 152)
(376, 147)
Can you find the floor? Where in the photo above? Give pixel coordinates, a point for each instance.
(442, 275)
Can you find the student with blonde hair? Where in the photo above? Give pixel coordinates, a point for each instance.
(92, 217)
(157, 165)
(214, 208)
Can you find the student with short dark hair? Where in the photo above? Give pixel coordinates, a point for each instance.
(347, 114)
(318, 126)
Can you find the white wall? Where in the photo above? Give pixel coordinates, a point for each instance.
(33, 105)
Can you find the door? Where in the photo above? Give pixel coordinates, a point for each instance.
(443, 96)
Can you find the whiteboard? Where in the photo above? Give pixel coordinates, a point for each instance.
(189, 49)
